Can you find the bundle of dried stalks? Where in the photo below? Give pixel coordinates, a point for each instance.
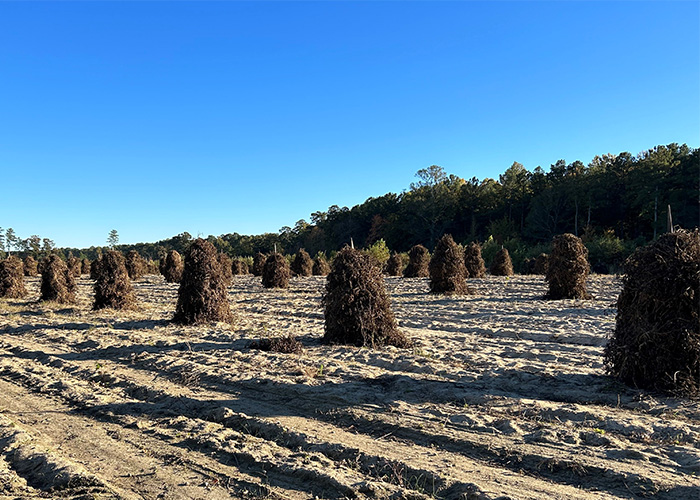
(95, 267)
(112, 284)
(226, 268)
(173, 267)
(12, 278)
(31, 266)
(276, 272)
(447, 272)
(57, 282)
(239, 267)
(473, 261)
(321, 266)
(203, 296)
(152, 267)
(567, 268)
(259, 263)
(541, 264)
(502, 265)
(75, 266)
(656, 343)
(40, 265)
(302, 264)
(395, 265)
(85, 266)
(356, 305)
(286, 345)
(135, 265)
(418, 262)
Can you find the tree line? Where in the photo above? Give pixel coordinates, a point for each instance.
(615, 203)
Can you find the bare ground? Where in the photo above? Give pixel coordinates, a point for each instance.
(503, 396)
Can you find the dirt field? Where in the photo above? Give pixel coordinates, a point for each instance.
(503, 396)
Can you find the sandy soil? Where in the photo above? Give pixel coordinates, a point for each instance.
(503, 396)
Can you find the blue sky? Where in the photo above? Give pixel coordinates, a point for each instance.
(154, 118)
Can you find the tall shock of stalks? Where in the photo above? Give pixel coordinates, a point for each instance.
(541, 264)
(395, 265)
(40, 264)
(12, 278)
(356, 305)
(502, 265)
(31, 267)
(239, 267)
(259, 263)
(85, 266)
(418, 263)
(656, 342)
(302, 265)
(567, 268)
(152, 267)
(447, 272)
(135, 265)
(226, 268)
(57, 282)
(75, 266)
(473, 261)
(172, 267)
(203, 296)
(321, 265)
(276, 272)
(112, 284)
(95, 267)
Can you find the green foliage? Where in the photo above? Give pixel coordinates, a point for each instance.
(607, 252)
(379, 251)
(489, 249)
(517, 248)
(113, 238)
(522, 209)
(502, 229)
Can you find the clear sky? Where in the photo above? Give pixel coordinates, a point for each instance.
(155, 118)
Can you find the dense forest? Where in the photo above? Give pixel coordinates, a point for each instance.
(615, 203)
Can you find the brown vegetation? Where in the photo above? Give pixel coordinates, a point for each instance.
(286, 345)
(30, 266)
(152, 267)
(502, 265)
(321, 266)
(75, 266)
(172, 267)
(135, 265)
(356, 305)
(448, 275)
(395, 265)
(473, 261)
(239, 267)
(302, 264)
(226, 268)
(112, 284)
(57, 282)
(418, 262)
(202, 296)
(656, 343)
(95, 266)
(541, 264)
(85, 266)
(567, 268)
(276, 272)
(12, 278)
(258, 263)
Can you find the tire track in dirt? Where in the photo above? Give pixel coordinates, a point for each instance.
(437, 421)
(563, 469)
